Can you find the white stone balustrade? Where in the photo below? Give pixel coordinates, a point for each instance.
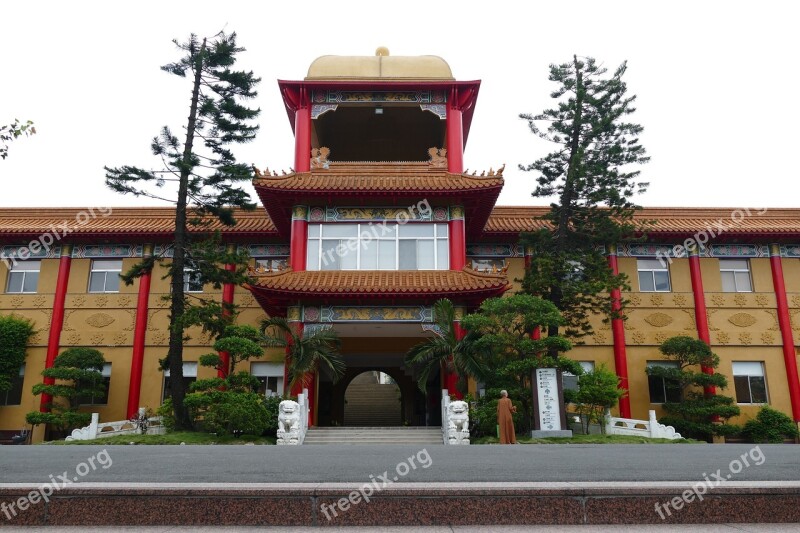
(643, 428)
(98, 430)
(455, 421)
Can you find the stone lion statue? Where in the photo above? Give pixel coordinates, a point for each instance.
(458, 422)
(288, 422)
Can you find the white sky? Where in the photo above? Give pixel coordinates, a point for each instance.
(716, 83)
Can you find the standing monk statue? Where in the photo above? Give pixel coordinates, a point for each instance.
(504, 419)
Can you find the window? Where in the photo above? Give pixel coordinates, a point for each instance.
(272, 263)
(661, 389)
(735, 275)
(99, 399)
(191, 281)
(13, 396)
(105, 275)
(270, 375)
(749, 382)
(413, 246)
(653, 275)
(487, 264)
(23, 277)
(569, 381)
(189, 377)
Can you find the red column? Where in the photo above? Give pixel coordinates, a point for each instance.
(227, 301)
(302, 134)
(451, 378)
(618, 332)
(457, 239)
(455, 135)
(785, 323)
(299, 238)
(139, 332)
(700, 312)
(528, 257)
(298, 387)
(57, 322)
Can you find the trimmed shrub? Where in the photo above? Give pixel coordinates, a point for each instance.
(770, 425)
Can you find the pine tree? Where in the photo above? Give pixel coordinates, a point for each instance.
(591, 177)
(207, 179)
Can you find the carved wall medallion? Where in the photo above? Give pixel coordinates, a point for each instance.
(599, 337)
(661, 337)
(39, 301)
(74, 338)
(159, 337)
(691, 326)
(745, 338)
(123, 301)
(100, 320)
(774, 314)
(742, 320)
(740, 300)
(659, 320)
(638, 337)
(78, 301)
(768, 337)
(657, 300)
(635, 300)
(68, 313)
(120, 339)
(680, 300)
(762, 300)
(796, 300)
(718, 300)
(17, 301)
(96, 339)
(711, 327)
(723, 337)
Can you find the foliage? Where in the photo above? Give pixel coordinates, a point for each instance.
(272, 403)
(503, 329)
(770, 425)
(598, 390)
(241, 342)
(167, 414)
(10, 132)
(694, 416)
(174, 438)
(14, 335)
(446, 350)
(208, 187)
(483, 415)
(78, 373)
(590, 175)
(306, 352)
(227, 406)
(585, 439)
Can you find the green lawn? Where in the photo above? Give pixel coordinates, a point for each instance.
(185, 437)
(589, 439)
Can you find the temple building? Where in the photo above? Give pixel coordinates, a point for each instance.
(376, 221)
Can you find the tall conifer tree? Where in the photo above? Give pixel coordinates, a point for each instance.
(207, 179)
(591, 176)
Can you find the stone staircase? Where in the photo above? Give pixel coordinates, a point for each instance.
(374, 435)
(370, 403)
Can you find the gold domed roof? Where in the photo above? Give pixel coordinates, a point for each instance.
(380, 66)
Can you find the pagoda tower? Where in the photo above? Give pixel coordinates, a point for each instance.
(378, 211)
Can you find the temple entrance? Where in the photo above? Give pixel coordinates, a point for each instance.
(373, 399)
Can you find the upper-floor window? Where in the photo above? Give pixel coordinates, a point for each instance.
(569, 381)
(23, 277)
(192, 281)
(272, 263)
(749, 382)
(735, 275)
(102, 398)
(653, 275)
(104, 276)
(413, 246)
(13, 396)
(270, 376)
(487, 264)
(662, 389)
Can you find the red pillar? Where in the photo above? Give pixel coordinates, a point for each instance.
(785, 323)
(299, 238)
(455, 135)
(227, 301)
(457, 239)
(528, 257)
(298, 388)
(57, 322)
(302, 134)
(618, 332)
(451, 378)
(139, 332)
(700, 312)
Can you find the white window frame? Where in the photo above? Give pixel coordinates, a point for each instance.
(19, 267)
(651, 270)
(588, 366)
(662, 364)
(732, 271)
(749, 373)
(261, 369)
(187, 281)
(189, 371)
(488, 263)
(374, 231)
(105, 272)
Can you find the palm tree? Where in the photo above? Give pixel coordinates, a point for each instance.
(306, 352)
(445, 350)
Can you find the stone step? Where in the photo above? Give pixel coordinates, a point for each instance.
(374, 435)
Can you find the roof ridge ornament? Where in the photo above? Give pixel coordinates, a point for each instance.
(438, 157)
(319, 157)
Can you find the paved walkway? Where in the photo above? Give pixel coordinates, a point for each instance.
(433, 463)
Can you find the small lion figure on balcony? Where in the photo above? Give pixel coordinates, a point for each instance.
(458, 422)
(288, 422)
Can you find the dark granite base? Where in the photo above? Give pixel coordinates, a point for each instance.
(405, 504)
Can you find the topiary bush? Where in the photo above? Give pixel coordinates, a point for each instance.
(14, 335)
(770, 425)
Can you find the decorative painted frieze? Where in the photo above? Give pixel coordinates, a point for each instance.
(333, 314)
(495, 250)
(366, 97)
